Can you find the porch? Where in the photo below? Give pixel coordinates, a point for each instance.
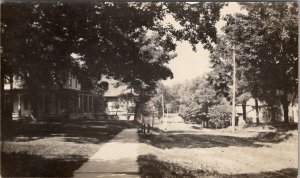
(49, 105)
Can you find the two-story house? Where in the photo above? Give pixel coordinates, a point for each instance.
(68, 102)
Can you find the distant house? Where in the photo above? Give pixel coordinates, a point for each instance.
(115, 104)
(68, 102)
(266, 113)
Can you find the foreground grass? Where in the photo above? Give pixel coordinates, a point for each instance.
(54, 149)
(205, 140)
(205, 152)
(152, 167)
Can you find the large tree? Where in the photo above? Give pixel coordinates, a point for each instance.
(221, 77)
(265, 41)
(43, 42)
(268, 40)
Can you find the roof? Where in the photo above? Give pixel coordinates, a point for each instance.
(243, 97)
(115, 91)
(115, 88)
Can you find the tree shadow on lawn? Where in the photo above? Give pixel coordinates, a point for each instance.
(24, 165)
(167, 140)
(151, 167)
(283, 173)
(279, 126)
(87, 131)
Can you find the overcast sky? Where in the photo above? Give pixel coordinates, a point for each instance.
(189, 64)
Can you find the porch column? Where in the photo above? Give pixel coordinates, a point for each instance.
(82, 103)
(43, 105)
(56, 103)
(19, 105)
(92, 104)
(73, 103)
(78, 103)
(88, 104)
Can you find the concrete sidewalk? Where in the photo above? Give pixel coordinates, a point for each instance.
(117, 158)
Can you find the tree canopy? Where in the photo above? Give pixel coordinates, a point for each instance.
(266, 41)
(42, 42)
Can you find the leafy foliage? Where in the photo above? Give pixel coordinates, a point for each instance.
(42, 43)
(221, 111)
(195, 98)
(265, 43)
(38, 39)
(272, 54)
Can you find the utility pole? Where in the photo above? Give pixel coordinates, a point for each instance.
(233, 89)
(163, 108)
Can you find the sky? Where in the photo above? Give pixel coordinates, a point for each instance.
(189, 64)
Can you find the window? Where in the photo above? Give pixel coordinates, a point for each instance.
(76, 83)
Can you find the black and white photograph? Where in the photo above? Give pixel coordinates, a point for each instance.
(129, 89)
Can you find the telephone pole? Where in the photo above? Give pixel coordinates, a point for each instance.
(163, 108)
(233, 90)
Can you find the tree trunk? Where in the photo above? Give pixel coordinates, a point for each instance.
(3, 107)
(138, 105)
(285, 105)
(6, 110)
(244, 110)
(34, 107)
(205, 123)
(6, 107)
(33, 98)
(136, 110)
(257, 111)
(19, 106)
(286, 112)
(273, 112)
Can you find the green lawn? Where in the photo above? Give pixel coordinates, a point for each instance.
(54, 149)
(220, 153)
